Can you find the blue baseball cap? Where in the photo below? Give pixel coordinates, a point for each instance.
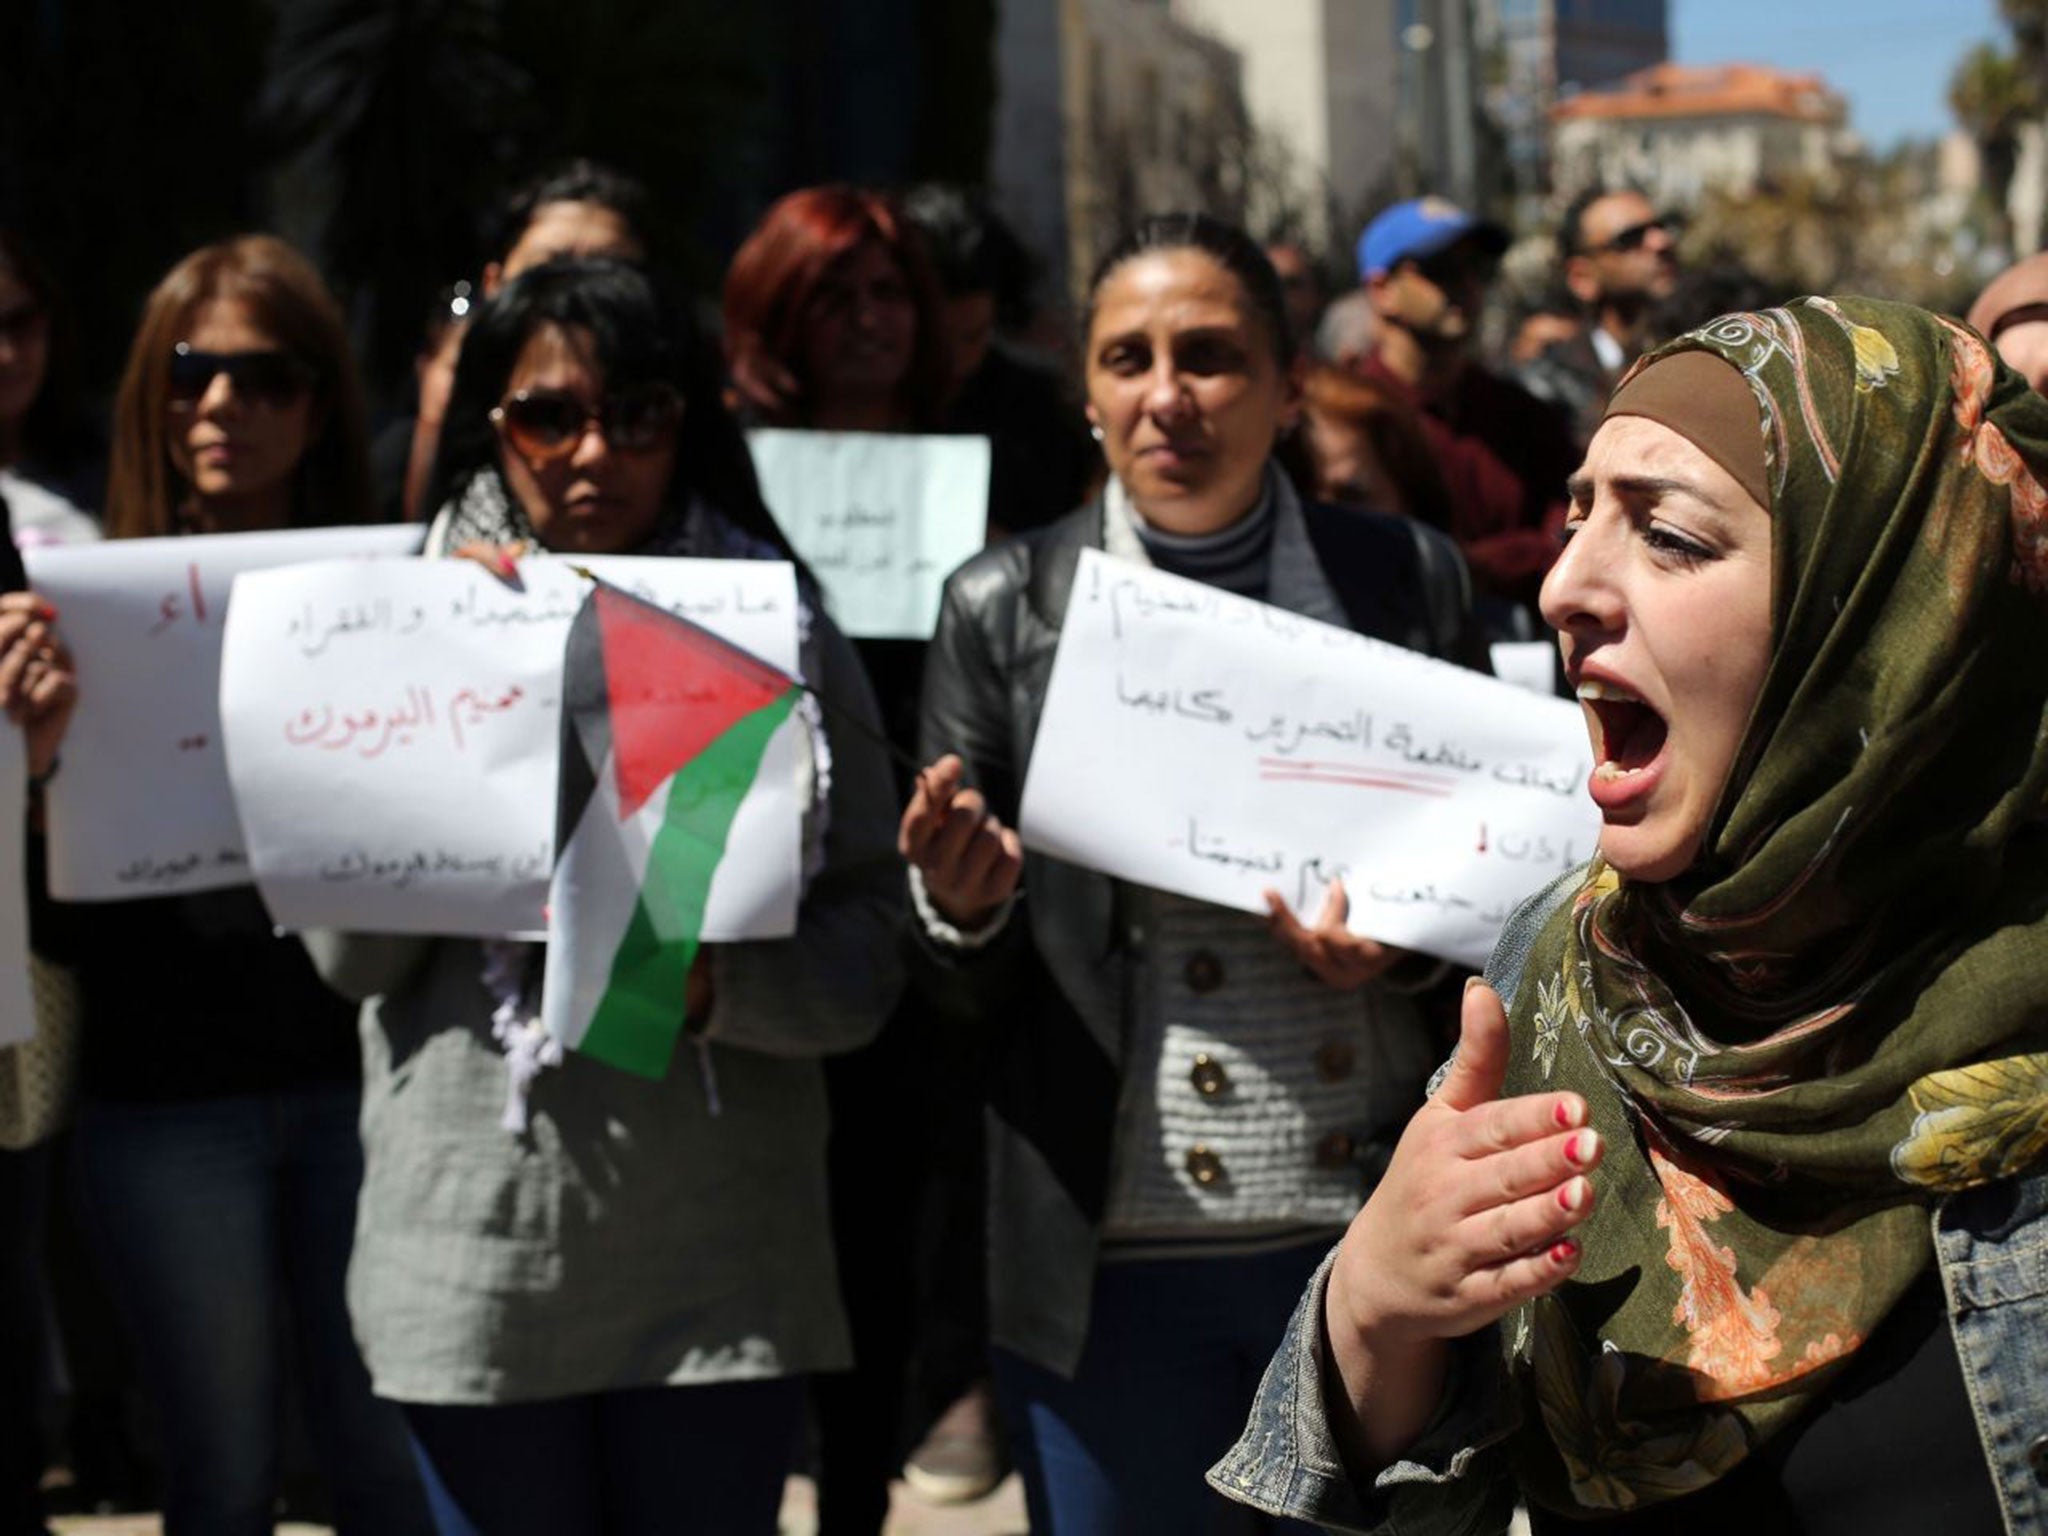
(1421, 227)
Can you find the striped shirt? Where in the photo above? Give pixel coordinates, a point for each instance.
(1236, 558)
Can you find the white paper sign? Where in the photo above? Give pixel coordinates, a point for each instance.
(394, 733)
(17, 998)
(1530, 665)
(1210, 745)
(142, 806)
(880, 518)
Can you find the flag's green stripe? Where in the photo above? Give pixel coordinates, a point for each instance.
(637, 1020)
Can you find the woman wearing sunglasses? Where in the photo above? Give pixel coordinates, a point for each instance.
(216, 1150)
(601, 1321)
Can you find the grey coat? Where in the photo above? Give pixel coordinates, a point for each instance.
(638, 1232)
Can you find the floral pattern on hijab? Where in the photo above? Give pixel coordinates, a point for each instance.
(1840, 1012)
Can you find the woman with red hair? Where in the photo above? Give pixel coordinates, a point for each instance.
(834, 322)
(832, 317)
(1369, 450)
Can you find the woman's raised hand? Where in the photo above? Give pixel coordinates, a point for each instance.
(38, 686)
(1471, 1218)
(970, 861)
(1339, 957)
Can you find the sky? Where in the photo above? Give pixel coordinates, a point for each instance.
(1890, 58)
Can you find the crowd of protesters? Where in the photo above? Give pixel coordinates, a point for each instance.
(997, 1161)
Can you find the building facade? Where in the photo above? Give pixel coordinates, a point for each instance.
(1677, 132)
(1321, 90)
(1549, 51)
(1107, 109)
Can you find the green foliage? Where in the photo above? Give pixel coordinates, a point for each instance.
(1992, 93)
(1840, 234)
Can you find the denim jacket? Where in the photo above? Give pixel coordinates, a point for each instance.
(1991, 1245)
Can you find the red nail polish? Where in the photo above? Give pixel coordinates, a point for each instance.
(1562, 1115)
(1564, 1252)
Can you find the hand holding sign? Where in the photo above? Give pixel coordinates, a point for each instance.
(1260, 751)
(1339, 957)
(417, 705)
(38, 683)
(143, 806)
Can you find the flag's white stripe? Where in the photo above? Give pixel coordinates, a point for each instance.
(591, 901)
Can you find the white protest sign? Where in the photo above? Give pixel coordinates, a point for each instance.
(1213, 746)
(17, 1000)
(394, 733)
(142, 806)
(1530, 665)
(880, 518)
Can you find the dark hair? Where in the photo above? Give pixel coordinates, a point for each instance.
(1232, 249)
(56, 434)
(639, 335)
(1391, 429)
(576, 181)
(287, 299)
(972, 249)
(1571, 226)
(779, 266)
(1720, 284)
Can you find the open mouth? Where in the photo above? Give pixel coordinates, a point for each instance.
(1628, 734)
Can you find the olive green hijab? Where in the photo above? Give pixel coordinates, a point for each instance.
(1840, 1013)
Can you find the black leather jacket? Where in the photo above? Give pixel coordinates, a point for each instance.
(1051, 984)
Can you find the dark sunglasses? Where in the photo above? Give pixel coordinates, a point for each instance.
(269, 378)
(544, 425)
(1632, 238)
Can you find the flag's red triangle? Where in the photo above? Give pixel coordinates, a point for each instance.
(674, 688)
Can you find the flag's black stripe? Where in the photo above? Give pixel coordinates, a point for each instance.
(586, 719)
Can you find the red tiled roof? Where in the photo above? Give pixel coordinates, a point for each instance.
(1714, 90)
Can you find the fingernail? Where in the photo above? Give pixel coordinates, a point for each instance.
(1566, 1114)
(507, 565)
(1582, 1148)
(1471, 982)
(47, 613)
(1572, 1196)
(1564, 1252)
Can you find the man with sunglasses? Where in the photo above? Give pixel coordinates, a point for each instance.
(1505, 455)
(1620, 259)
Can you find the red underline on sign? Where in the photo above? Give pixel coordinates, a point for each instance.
(1312, 765)
(1305, 775)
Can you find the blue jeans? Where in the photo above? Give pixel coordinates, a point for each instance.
(646, 1461)
(1174, 1355)
(222, 1227)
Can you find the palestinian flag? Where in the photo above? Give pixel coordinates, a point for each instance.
(663, 728)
